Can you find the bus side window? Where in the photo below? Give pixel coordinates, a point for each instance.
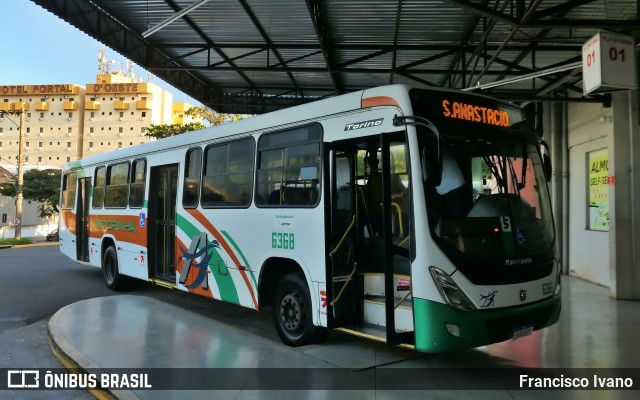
(228, 174)
(137, 185)
(289, 167)
(191, 188)
(98, 187)
(117, 186)
(69, 190)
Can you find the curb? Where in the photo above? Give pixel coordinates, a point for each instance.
(38, 244)
(77, 362)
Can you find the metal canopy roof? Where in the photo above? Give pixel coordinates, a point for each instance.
(254, 56)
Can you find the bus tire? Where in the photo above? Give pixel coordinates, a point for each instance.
(293, 314)
(110, 272)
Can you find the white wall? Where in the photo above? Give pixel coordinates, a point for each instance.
(588, 250)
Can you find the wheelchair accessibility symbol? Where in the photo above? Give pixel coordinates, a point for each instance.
(143, 219)
(521, 236)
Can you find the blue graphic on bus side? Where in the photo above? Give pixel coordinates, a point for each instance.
(189, 256)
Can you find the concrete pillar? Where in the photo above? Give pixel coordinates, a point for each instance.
(624, 198)
(556, 135)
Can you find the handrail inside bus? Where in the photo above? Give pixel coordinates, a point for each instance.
(399, 211)
(355, 264)
(344, 237)
(402, 300)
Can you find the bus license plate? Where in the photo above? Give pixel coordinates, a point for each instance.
(522, 332)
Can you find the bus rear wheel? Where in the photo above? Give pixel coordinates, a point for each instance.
(112, 277)
(292, 312)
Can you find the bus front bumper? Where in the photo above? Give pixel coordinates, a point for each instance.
(477, 328)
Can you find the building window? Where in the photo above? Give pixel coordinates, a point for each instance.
(69, 130)
(41, 130)
(144, 114)
(90, 145)
(70, 115)
(68, 159)
(39, 159)
(119, 145)
(42, 115)
(120, 130)
(28, 130)
(68, 144)
(121, 114)
(91, 130)
(39, 144)
(93, 114)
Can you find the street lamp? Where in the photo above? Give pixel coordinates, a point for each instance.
(18, 220)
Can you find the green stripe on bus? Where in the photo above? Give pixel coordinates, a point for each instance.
(246, 263)
(228, 291)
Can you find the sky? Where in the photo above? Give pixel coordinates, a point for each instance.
(40, 48)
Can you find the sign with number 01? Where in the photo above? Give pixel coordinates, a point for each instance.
(608, 63)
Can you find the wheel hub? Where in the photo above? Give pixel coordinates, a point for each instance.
(291, 309)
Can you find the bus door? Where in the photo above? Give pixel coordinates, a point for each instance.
(82, 220)
(396, 237)
(342, 239)
(162, 222)
(369, 237)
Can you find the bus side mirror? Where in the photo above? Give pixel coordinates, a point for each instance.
(431, 161)
(546, 159)
(546, 165)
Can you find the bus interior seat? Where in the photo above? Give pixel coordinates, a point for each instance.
(274, 198)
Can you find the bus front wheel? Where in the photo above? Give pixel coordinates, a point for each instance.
(293, 314)
(112, 277)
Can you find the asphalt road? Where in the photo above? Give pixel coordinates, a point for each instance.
(35, 282)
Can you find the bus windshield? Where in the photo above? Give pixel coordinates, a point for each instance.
(493, 199)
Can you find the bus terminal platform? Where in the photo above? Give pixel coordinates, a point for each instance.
(189, 356)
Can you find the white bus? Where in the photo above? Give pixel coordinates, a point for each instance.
(416, 217)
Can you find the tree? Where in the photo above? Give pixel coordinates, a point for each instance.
(42, 186)
(212, 117)
(166, 130)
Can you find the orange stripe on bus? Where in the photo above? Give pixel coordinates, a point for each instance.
(379, 101)
(69, 219)
(120, 227)
(205, 222)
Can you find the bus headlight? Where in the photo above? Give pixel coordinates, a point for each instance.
(452, 294)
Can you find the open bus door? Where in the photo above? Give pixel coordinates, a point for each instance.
(162, 222)
(369, 238)
(82, 220)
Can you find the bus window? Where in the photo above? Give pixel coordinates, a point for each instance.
(191, 189)
(69, 190)
(117, 187)
(137, 184)
(289, 170)
(98, 187)
(228, 174)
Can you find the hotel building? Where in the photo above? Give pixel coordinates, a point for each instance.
(66, 122)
